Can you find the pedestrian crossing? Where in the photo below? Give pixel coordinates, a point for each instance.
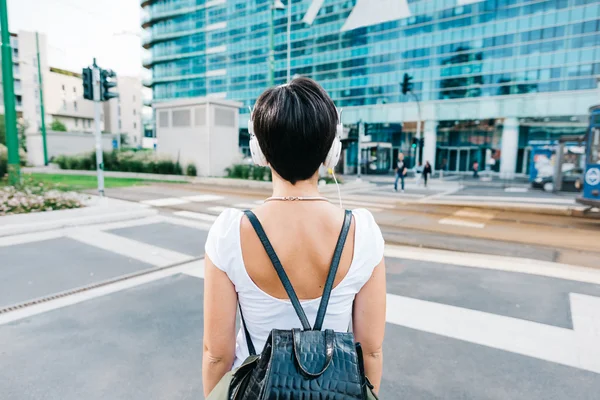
(570, 347)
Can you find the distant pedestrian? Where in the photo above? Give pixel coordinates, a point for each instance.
(476, 169)
(426, 172)
(401, 171)
(418, 170)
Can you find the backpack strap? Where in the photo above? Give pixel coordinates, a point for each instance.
(337, 255)
(251, 348)
(287, 285)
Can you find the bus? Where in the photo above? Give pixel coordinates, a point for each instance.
(591, 181)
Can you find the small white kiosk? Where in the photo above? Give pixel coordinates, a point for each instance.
(202, 131)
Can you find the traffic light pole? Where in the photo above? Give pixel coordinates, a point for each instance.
(10, 113)
(361, 129)
(419, 122)
(97, 130)
(42, 108)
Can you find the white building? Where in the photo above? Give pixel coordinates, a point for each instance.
(124, 114)
(63, 94)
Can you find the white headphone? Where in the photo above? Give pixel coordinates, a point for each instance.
(333, 156)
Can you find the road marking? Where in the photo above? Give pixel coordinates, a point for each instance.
(190, 269)
(476, 214)
(128, 224)
(367, 204)
(511, 199)
(31, 237)
(203, 198)
(195, 215)
(460, 222)
(245, 206)
(218, 209)
(442, 194)
(170, 201)
(149, 254)
(516, 190)
(204, 226)
(575, 348)
(497, 263)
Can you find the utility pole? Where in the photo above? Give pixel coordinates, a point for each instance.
(361, 129)
(96, 72)
(275, 6)
(42, 108)
(10, 113)
(289, 41)
(419, 138)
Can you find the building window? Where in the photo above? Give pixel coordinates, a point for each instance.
(134, 112)
(63, 87)
(89, 123)
(76, 121)
(75, 105)
(74, 89)
(64, 104)
(119, 111)
(134, 97)
(120, 125)
(134, 125)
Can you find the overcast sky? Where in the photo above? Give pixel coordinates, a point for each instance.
(79, 30)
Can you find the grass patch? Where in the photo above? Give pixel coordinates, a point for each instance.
(84, 182)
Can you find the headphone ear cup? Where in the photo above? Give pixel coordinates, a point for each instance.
(257, 155)
(333, 157)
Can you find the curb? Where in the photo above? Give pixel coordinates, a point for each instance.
(74, 221)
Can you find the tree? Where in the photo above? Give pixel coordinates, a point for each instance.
(2, 130)
(58, 126)
(22, 126)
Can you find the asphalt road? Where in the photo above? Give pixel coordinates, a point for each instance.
(460, 326)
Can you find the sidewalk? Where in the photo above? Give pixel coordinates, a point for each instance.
(97, 210)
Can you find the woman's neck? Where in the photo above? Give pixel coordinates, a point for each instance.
(283, 188)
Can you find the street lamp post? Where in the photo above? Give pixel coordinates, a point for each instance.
(277, 5)
(10, 113)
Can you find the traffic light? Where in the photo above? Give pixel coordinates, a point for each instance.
(415, 142)
(108, 80)
(406, 83)
(88, 83)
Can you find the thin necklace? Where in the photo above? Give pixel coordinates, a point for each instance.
(296, 198)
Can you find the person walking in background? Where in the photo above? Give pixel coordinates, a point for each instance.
(401, 171)
(426, 172)
(476, 169)
(418, 170)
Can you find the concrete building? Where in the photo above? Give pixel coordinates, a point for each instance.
(199, 131)
(491, 75)
(63, 94)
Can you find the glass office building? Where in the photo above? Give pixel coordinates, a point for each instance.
(491, 75)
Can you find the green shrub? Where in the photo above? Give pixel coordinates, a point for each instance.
(191, 170)
(244, 171)
(3, 160)
(124, 161)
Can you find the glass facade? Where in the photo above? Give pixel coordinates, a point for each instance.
(456, 50)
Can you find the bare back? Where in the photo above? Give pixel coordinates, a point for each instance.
(304, 237)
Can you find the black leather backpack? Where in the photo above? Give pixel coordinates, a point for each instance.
(306, 363)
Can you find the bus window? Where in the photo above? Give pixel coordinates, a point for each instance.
(595, 146)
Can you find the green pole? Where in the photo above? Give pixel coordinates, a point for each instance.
(42, 109)
(10, 113)
(272, 47)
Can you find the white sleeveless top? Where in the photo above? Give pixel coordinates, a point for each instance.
(263, 312)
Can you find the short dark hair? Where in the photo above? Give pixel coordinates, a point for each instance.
(295, 125)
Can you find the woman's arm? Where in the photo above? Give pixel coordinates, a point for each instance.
(369, 323)
(220, 302)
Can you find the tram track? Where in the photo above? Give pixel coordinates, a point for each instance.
(97, 285)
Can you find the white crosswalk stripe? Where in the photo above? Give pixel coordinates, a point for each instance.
(196, 215)
(170, 201)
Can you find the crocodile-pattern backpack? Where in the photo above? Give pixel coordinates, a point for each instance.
(307, 363)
